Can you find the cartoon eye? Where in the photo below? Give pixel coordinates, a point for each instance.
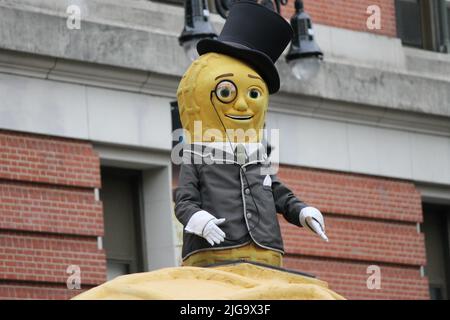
(254, 93)
(226, 91)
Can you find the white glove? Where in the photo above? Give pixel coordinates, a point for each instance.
(312, 219)
(205, 225)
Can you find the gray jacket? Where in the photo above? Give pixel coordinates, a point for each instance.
(235, 190)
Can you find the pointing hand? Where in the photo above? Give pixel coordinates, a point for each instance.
(312, 219)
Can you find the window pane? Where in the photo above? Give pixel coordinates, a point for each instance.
(409, 24)
(448, 16)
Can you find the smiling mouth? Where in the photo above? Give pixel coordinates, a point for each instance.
(238, 117)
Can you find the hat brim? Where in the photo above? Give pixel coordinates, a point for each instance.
(256, 59)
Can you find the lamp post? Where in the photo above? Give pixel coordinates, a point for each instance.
(196, 26)
(304, 55)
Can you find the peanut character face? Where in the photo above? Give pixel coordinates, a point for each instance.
(228, 98)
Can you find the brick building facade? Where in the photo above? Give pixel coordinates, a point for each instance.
(50, 218)
(348, 14)
(71, 116)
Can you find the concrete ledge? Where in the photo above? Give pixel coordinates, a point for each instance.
(375, 87)
(145, 82)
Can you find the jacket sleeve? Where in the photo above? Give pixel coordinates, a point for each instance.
(187, 194)
(286, 202)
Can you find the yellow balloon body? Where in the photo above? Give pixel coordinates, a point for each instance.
(231, 282)
(220, 98)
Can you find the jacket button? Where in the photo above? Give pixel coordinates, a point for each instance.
(247, 191)
(249, 215)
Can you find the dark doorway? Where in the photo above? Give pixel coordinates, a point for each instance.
(120, 194)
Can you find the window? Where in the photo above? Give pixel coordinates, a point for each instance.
(436, 228)
(448, 18)
(424, 23)
(409, 22)
(120, 195)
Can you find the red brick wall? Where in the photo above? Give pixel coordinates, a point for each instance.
(348, 14)
(369, 221)
(49, 218)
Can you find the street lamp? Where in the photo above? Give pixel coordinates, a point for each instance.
(196, 26)
(304, 55)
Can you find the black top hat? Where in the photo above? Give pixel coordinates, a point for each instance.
(253, 34)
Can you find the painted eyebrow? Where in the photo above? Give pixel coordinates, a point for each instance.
(254, 77)
(224, 75)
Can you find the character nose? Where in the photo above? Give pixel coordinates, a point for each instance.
(241, 104)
